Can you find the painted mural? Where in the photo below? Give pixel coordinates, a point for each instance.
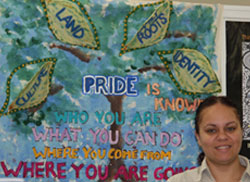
(103, 90)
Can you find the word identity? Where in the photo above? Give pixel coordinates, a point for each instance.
(193, 68)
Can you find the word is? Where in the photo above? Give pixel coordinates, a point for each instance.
(110, 85)
(153, 89)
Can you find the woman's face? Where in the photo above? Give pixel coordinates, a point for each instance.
(220, 134)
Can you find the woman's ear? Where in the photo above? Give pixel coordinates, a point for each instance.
(197, 136)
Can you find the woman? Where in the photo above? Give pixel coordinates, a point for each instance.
(218, 130)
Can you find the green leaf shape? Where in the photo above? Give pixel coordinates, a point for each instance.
(35, 92)
(153, 30)
(191, 71)
(70, 23)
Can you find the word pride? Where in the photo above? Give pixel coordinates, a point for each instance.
(110, 85)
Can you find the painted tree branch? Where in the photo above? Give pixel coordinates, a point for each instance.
(75, 51)
(178, 34)
(157, 68)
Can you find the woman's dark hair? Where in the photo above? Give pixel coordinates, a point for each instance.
(210, 101)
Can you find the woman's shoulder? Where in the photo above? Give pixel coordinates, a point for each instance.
(189, 175)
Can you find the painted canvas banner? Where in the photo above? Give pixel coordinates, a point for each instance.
(103, 90)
